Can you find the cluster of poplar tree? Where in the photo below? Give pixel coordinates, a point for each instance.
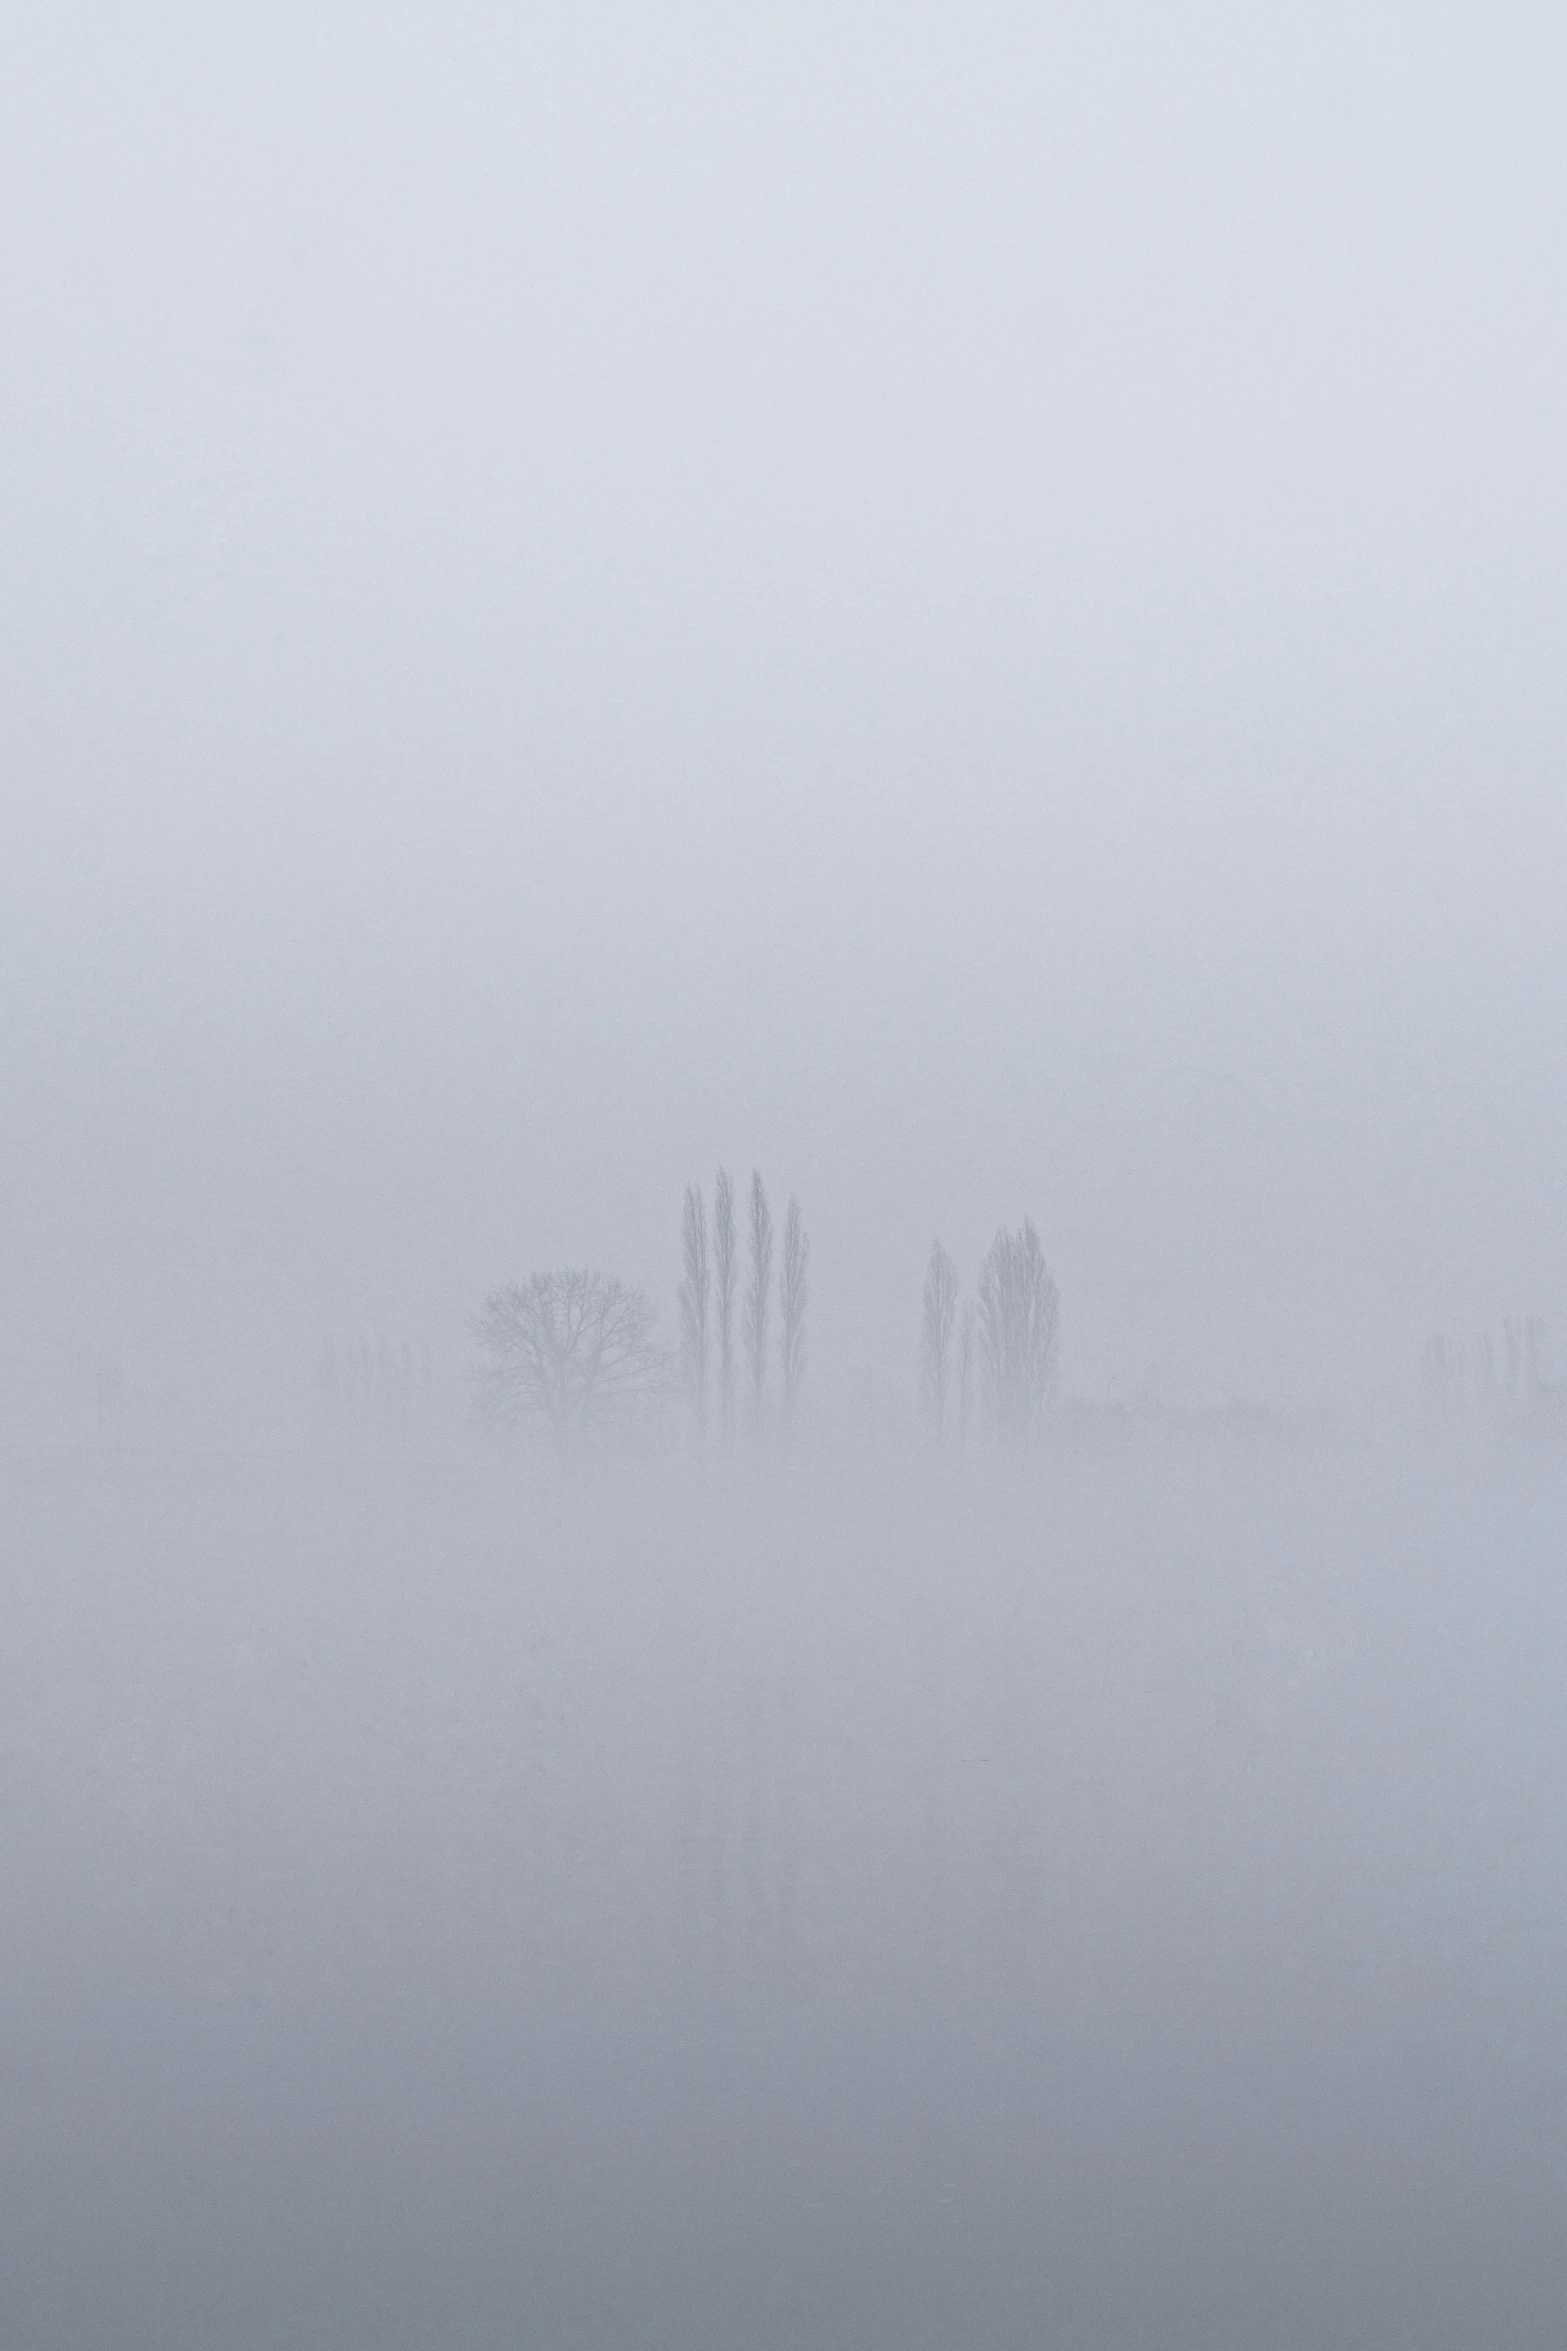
(715, 1261)
(574, 1350)
(997, 1350)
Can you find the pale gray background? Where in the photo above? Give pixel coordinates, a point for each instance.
(964, 603)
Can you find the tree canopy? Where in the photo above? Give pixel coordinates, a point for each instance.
(571, 1349)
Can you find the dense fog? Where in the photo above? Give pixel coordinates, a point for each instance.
(783, 1304)
(1117, 1900)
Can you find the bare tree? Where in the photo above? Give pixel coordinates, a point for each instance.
(965, 1372)
(573, 1350)
(1018, 1308)
(758, 1297)
(725, 1272)
(793, 1296)
(694, 1286)
(940, 1307)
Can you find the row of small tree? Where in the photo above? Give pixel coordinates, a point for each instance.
(575, 1350)
(710, 1275)
(1517, 1377)
(384, 1392)
(1001, 1343)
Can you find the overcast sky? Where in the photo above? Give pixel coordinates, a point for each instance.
(962, 603)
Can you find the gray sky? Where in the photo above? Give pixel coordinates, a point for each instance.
(962, 603)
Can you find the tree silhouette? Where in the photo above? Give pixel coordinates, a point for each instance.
(793, 1297)
(572, 1350)
(694, 1286)
(966, 1354)
(940, 1307)
(758, 1298)
(1018, 1308)
(725, 1273)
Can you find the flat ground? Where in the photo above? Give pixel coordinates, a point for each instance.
(1117, 1903)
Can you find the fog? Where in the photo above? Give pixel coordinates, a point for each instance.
(962, 608)
(1117, 1903)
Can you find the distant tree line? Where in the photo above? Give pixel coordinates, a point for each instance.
(710, 1273)
(574, 1351)
(1001, 1343)
(1516, 1378)
(381, 1392)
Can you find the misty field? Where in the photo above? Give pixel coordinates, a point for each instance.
(1115, 1902)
